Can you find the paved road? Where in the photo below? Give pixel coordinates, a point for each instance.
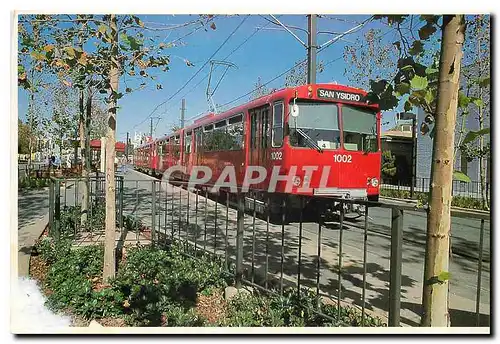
(202, 230)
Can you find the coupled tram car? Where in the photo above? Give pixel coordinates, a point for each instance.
(328, 134)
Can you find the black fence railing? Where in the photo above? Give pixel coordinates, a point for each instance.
(376, 266)
(470, 189)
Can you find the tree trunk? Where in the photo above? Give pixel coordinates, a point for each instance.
(436, 283)
(85, 191)
(109, 241)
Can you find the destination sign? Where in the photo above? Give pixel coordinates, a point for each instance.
(341, 95)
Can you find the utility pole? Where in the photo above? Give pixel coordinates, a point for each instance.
(413, 156)
(126, 149)
(311, 48)
(183, 109)
(151, 128)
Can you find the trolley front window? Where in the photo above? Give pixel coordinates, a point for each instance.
(317, 125)
(360, 129)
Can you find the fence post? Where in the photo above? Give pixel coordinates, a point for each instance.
(57, 204)
(239, 238)
(153, 213)
(51, 207)
(395, 267)
(120, 202)
(479, 273)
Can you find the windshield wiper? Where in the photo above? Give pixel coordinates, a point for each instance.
(309, 140)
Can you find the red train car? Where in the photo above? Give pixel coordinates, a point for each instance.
(328, 134)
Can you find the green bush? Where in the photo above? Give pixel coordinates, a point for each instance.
(52, 250)
(290, 309)
(153, 281)
(32, 183)
(423, 197)
(467, 202)
(180, 317)
(156, 287)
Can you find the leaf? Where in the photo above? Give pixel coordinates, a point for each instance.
(138, 21)
(419, 83)
(429, 96)
(403, 88)
(67, 83)
(70, 51)
(212, 26)
(37, 56)
(473, 135)
(444, 276)
(407, 67)
(416, 48)
(134, 43)
(48, 48)
(430, 70)
(102, 29)
(478, 102)
(408, 106)
(83, 59)
(128, 90)
(429, 119)
(426, 31)
(458, 175)
(378, 87)
(159, 87)
(188, 63)
(397, 44)
(463, 100)
(430, 19)
(484, 82)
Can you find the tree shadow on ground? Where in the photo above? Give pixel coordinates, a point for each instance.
(271, 250)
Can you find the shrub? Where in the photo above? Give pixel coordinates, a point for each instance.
(155, 280)
(290, 309)
(52, 250)
(467, 202)
(179, 316)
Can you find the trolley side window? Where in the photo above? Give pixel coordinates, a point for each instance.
(235, 130)
(265, 128)
(187, 142)
(277, 132)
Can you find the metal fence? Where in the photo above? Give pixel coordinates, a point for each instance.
(363, 262)
(459, 188)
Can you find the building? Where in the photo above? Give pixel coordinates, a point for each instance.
(398, 141)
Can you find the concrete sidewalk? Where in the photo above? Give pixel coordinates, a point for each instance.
(27, 237)
(33, 218)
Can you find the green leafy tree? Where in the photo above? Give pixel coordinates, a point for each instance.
(24, 137)
(388, 166)
(431, 83)
(93, 52)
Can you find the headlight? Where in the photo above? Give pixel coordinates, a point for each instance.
(374, 182)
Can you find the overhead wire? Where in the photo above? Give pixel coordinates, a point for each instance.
(197, 72)
(224, 59)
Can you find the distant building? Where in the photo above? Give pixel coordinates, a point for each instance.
(398, 141)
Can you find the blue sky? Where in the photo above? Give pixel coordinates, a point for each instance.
(267, 54)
